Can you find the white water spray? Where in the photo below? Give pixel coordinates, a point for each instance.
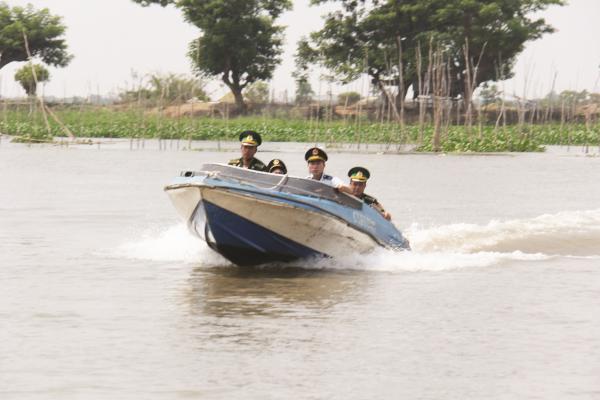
(447, 247)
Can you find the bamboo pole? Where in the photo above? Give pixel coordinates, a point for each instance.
(317, 120)
(420, 97)
(448, 95)
(386, 105)
(39, 98)
(193, 97)
(437, 92)
(162, 145)
(4, 116)
(550, 105)
(471, 70)
(400, 91)
(59, 122)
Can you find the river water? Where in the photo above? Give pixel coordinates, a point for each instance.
(104, 294)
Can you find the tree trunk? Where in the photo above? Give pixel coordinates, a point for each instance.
(236, 90)
(388, 99)
(399, 98)
(239, 101)
(31, 89)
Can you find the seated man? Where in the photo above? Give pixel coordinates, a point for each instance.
(276, 166)
(358, 183)
(250, 141)
(316, 167)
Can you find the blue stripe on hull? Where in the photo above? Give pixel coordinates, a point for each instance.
(245, 243)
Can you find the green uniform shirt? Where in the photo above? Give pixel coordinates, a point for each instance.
(255, 164)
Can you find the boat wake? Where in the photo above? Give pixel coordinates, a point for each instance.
(575, 233)
(570, 234)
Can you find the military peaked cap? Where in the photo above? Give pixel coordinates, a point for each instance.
(276, 164)
(359, 174)
(250, 138)
(314, 154)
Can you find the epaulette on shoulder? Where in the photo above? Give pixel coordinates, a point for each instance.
(234, 161)
(327, 177)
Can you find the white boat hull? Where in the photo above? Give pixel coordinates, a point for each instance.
(323, 233)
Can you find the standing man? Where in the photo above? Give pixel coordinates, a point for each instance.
(250, 141)
(358, 183)
(315, 157)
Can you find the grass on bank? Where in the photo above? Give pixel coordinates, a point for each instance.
(110, 123)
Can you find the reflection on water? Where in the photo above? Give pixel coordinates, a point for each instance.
(274, 291)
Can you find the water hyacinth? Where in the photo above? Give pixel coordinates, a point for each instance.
(106, 122)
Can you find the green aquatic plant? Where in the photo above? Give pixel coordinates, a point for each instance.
(106, 122)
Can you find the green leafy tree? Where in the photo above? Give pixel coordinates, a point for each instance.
(368, 37)
(362, 38)
(495, 30)
(28, 81)
(44, 36)
(489, 94)
(574, 97)
(257, 92)
(240, 42)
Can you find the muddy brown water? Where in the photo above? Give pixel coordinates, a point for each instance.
(104, 294)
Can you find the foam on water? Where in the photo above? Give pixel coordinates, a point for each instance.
(565, 234)
(173, 244)
(389, 260)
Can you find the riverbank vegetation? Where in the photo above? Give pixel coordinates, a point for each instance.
(27, 123)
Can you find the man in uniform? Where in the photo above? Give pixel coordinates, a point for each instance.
(358, 183)
(250, 141)
(316, 158)
(276, 166)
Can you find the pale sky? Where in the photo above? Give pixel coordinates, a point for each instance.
(112, 38)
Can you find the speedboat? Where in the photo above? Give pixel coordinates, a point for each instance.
(253, 217)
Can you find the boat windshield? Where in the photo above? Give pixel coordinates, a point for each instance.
(280, 183)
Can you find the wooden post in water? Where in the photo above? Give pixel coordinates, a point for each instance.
(562, 121)
(192, 115)
(437, 91)
(470, 82)
(40, 98)
(448, 99)
(401, 93)
(421, 94)
(330, 114)
(4, 116)
(318, 113)
(467, 88)
(357, 133)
